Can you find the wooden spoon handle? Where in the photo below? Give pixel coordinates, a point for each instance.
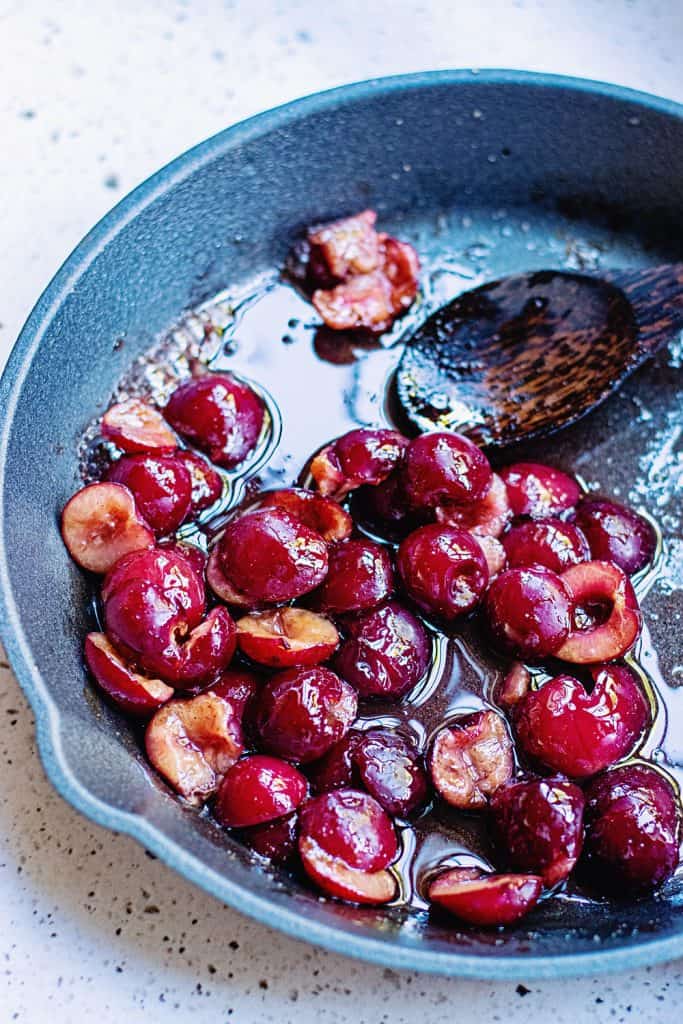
(656, 295)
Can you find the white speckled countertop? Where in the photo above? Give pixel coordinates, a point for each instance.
(94, 97)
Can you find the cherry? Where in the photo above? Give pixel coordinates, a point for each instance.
(222, 587)
(287, 636)
(528, 612)
(351, 826)
(206, 483)
(471, 758)
(364, 302)
(539, 491)
(359, 577)
(269, 556)
(132, 692)
(161, 486)
(275, 840)
(321, 514)
(240, 688)
(193, 743)
(603, 595)
(486, 517)
(134, 426)
(302, 713)
(220, 414)
(153, 607)
(550, 543)
(391, 770)
(100, 524)
(539, 826)
(617, 534)
(337, 879)
(259, 789)
(443, 569)
(445, 468)
(336, 769)
(387, 651)
(578, 733)
(485, 900)
(345, 247)
(514, 686)
(190, 552)
(632, 829)
(360, 457)
(384, 508)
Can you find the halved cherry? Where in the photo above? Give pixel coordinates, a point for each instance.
(546, 542)
(276, 840)
(352, 827)
(605, 595)
(486, 517)
(207, 483)
(135, 426)
(539, 491)
(101, 524)
(240, 688)
(485, 900)
(193, 743)
(347, 246)
(258, 789)
(361, 457)
(285, 637)
(321, 514)
(133, 693)
(471, 758)
(221, 585)
(514, 686)
(345, 883)
(578, 733)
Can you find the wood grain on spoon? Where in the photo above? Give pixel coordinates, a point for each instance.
(526, 355)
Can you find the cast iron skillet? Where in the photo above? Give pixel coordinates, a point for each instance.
(568, 163)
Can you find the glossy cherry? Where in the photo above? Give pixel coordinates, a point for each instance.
(485, 900)
(445, 468)
(443, 570)
(386, 651)
(578, 733)
(218, 413)
(161, 486)
(528, 612)
(539, 491)
(324, 515)
(471, 758)
(101, 524)
(550, 543)
(337, 879)
(132, 692)
(206, 482)
(360, 457)
(351, 826)
(337, 768)
(486, 517)
(135, 426)
(275, 840)
(360, 576)
(617, 534)
(258, 789)
(287, 636)
(391, 770)
(606, 618)
(302, 713)
(632, 829)
(539, 826)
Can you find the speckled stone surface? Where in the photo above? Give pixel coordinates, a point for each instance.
(93, 97)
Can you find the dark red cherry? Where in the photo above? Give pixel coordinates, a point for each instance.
(359, 576)
(337, 879)
(578, 733)
(486, 517)
(528, 612)
(470, 758)
(539, 491)
(161, 486)
(550, 543)
(386, 652)
(632, 829)
(258, 789)
(132, 692)
(351, 826)
(391, 770)
(220, 414)
(207, 484)
(539, 826)
(443, 569)
(606, 619)
(617, 534)
(384, 509)
(269, 556)
(275, 840)
(360, 457)
(302, 713)
(485, 900)
(443, 468)
(323, 515)
(336, 769)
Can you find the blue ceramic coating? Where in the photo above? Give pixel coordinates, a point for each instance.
(216, 215)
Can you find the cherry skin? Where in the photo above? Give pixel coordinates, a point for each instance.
(632, 829)
(485, 900)
(271, 557)
(360, 457)
(391, 770)
(337, 768)
(550, 543)
(443, 468)
(352, 826)
(133, 693)
(206, 483)
(578, 733)
(539, 826)
(359, 577)
(222, 415)
(161, 486)
(337, 879)
(286, 636)
(528, 612)
(605, 587)
(386, 652)
(259, 789)
(444, 570)
(617, 534)
(275, 840)
(302, 713)
(539, 491)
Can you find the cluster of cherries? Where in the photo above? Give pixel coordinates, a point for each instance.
(248, 665)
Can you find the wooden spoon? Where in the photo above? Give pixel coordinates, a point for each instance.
(526, 355)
